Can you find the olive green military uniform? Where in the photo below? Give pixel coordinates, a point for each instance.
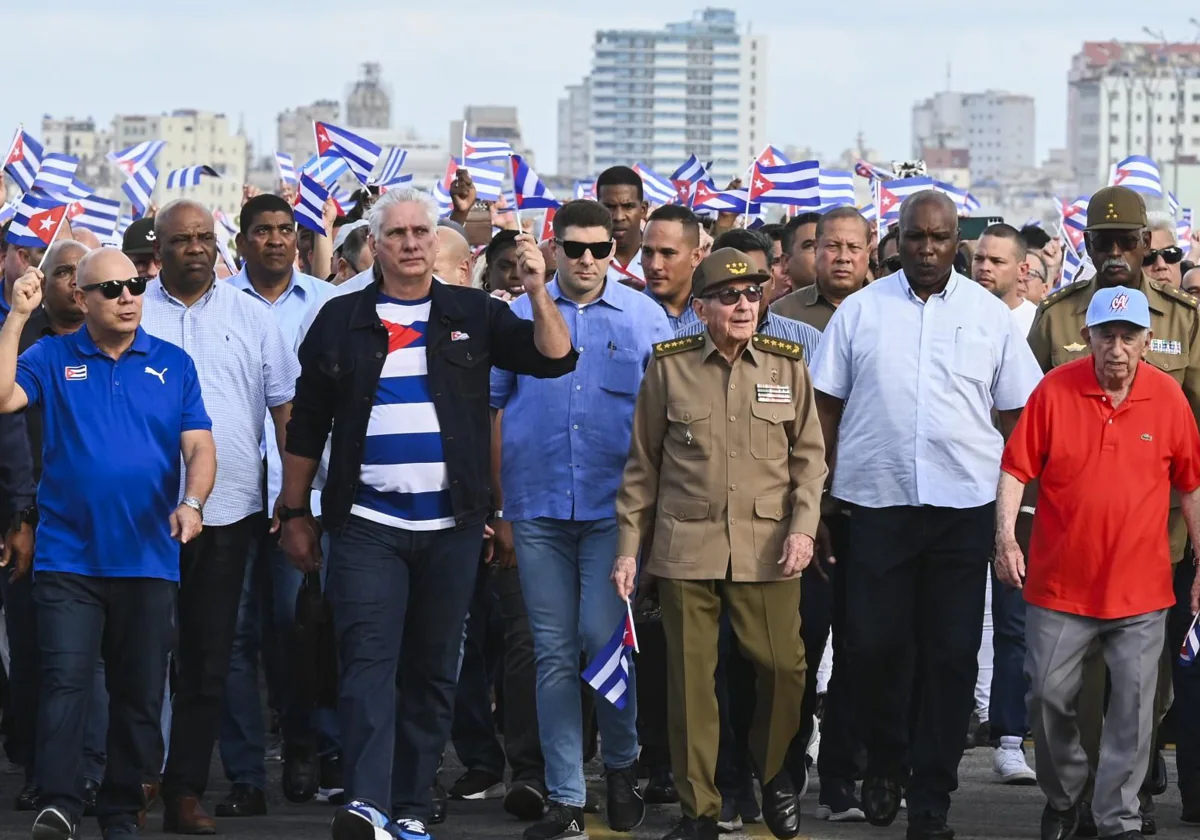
(1175, 348)
(726, 460)
(807, 305)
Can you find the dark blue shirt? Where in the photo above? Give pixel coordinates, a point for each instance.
(111, 465)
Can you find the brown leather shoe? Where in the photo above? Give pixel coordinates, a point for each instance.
(183, 815)
(150, 791)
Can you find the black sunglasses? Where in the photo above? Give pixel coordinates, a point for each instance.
(112, 289)
(729, 296)
(574, 250)
(891, 265)
(1170, 255)
(1103, 240)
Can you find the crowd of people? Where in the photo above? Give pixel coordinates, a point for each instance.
(426, 488)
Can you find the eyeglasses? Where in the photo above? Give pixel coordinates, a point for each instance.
(1038, 276)
(112, 289)
(574, 250)
(1103, 240)
(729, 297)
(1170, 255)
(891, 265)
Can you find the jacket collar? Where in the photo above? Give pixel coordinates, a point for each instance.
(443, 303)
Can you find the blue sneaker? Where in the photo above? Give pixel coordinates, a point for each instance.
(409, 829)
(359, 820)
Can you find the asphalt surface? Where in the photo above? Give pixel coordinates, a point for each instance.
(982, 809)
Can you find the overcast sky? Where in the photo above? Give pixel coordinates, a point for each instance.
(834, 68)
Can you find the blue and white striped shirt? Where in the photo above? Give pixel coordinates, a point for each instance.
(775, 326)
(403, 481)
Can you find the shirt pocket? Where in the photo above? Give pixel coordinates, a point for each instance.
(689, 431)
(683, 521)
(467, 367)
(768, 437)
(622, 373)
(972, 357)
(770, 530)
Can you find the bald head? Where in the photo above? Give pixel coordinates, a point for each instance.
(104, 264)
(1191, 281)
(63, 251)
(927, 198)
(453, 263)
(85, 237)
(182, 207)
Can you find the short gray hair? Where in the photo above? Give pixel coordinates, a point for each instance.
(391, 198)
(1158, 220)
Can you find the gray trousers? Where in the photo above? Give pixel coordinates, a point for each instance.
(1056, 643)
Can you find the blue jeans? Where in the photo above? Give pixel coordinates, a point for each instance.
(242, 741)
(399, 602)
(474, 729)
(1007, 713)
(572, 604)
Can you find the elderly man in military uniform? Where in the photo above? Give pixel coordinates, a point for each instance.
(722, 494)
(1118, 239)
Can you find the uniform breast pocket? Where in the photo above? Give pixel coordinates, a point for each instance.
(622, 373)
(689, 431)
(467, 367)
(972, 357)
(768, 437)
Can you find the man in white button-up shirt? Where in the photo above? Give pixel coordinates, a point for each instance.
(908, 374)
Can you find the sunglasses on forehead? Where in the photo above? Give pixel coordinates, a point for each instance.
(112, 289)
(1170, 255)
(574, 250)
(729, 297)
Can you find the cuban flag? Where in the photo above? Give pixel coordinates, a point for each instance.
(24, 159)
(140, 187)
(358, 152)
(489, 181)
(1190, 650)
(548, 224)
(869, 212)
(309, 204)
(287, 168)
(1073, 262)
(56, 173)
(692, 172)
(223, 224)
(343, 198)
(528, 190)
(796, 184)
(36, 220)
(1183, 234)
(189, 176)
(1074, 219)
(771, 156)
(608, 672)
(1140, 174)
(656, 188)
(962, 198)
(872, 172)
(1172, 203)
(893, 193)
(99, 215)
(836, 187)
(480, 150)
(135, 157)
(390, 175)
(704, 197)
(584, 189)
(325, 169)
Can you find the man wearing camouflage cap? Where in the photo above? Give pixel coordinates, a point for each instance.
(1118, 238)
(721, 493)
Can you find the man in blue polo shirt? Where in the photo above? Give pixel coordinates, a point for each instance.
(118, 409)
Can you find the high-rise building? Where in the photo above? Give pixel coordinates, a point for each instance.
(369, 103)
(192, 138)
(294, 133)
(1135, 99)
(574, 114)
(494, 122)
(995, 128)
(70, 136)
(696, 87)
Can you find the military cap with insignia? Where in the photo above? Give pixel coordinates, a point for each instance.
(1116, 208)
(724, 265)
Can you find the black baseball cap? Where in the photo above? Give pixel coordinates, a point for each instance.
(139, 238)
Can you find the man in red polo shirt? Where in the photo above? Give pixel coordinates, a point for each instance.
(1108, 435)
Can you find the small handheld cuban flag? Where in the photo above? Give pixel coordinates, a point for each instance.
(1191, 644)
(608, 672)
(287, 168)
(23, 160)
(359, 153)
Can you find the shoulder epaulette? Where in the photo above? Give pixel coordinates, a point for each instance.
(1065, 291)
(678, 345)
(778, 346)
(1175, 293)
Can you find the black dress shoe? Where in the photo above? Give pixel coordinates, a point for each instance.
(881, 800)
(1149, 823)
(928, 827)
(1059, 825)
(1156, 782)
(91, 790)
(781, 807)
(1087, 821)
(438, 796)
(27, 799)
(688, 828)
(301, 772)
(243, 801)
(660, 789)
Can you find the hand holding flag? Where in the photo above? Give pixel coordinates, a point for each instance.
(624, 576)
(608, 671)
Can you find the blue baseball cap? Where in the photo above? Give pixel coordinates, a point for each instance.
(1119, 304)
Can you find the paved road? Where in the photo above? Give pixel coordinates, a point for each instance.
(982, 809)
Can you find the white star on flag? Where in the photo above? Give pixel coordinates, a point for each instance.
(47, 223)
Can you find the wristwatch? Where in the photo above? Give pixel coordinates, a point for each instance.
(286, 513)
(498, 514)
(195, 504)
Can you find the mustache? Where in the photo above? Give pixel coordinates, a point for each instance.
(1115, 262)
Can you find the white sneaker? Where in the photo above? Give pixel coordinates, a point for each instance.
(1009, 763)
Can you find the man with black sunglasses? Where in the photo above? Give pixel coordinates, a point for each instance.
(1163, 261)
(721, 497)
(1118, 240)
(120, 408)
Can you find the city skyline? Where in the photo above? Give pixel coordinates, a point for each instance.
(850, 68)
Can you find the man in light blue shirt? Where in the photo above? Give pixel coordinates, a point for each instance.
(908, 374)
(564, 446)
(670, 253)
(267, 242)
